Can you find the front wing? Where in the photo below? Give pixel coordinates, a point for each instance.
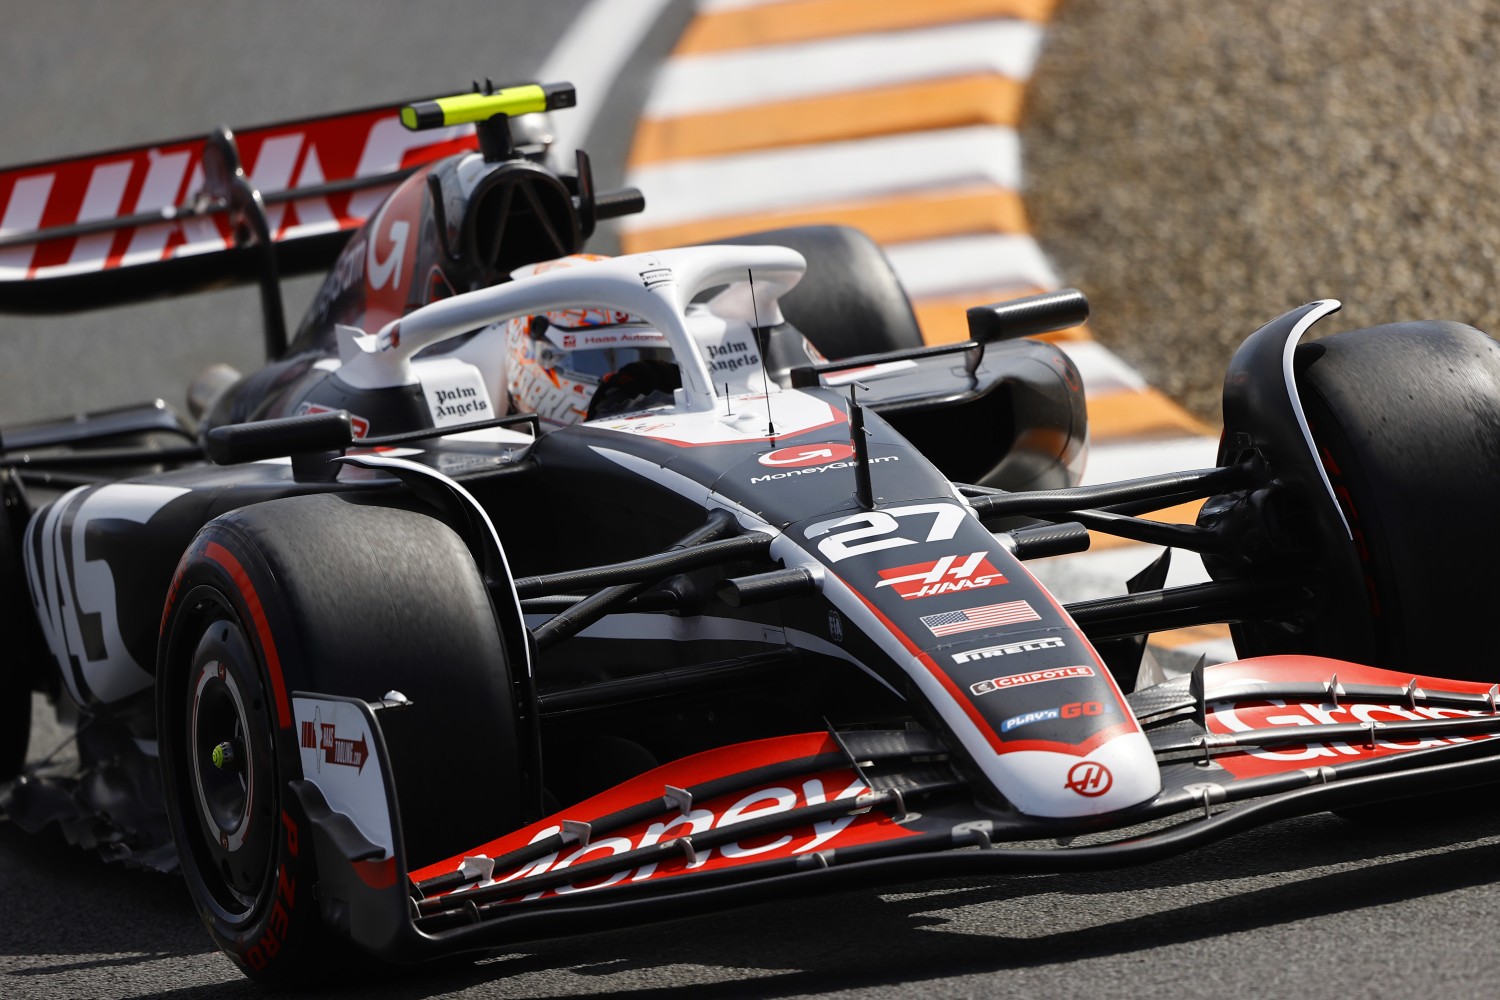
(1238, 745)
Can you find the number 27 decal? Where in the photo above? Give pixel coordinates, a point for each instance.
(882, 529)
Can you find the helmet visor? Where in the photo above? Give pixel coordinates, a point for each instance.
(591, 365)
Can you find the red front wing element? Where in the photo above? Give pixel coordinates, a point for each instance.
(1336, 707)
(753, 800)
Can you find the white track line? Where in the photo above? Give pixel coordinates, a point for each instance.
(722, 80)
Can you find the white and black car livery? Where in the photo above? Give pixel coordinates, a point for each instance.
(375, 660)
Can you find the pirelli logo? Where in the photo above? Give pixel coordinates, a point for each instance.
(1032, 677)
(1009, 649)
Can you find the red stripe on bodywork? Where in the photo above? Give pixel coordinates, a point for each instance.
(954, 691)
(838, 418)
(1083, 749)
(997, 744)
(231, 565)
(1133, 726)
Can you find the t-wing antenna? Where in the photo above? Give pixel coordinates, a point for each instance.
(489, 111)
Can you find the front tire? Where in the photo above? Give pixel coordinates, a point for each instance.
(322, 595)
(240, 838)
(1407, 422)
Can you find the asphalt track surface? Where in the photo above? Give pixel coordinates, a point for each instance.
(1312, 907)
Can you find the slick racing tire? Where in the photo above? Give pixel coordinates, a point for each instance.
(321, 595)
(1407, 421)
(23, 645)
(850, 301)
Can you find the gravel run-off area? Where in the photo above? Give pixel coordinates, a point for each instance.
(1198, 168)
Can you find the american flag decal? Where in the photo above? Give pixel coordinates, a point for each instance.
(989, 616)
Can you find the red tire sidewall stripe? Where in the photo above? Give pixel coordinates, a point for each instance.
(231, 565)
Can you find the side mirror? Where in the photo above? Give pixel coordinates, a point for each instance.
(316, 434)
(1025, 317)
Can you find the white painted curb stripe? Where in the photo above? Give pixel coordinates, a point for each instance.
(591, 56)
(771, 180)
(1102, 369)
(1089, 575)
(719, 6)
(1112, 461)
(765, 182)
(980, 264)
(718, 81)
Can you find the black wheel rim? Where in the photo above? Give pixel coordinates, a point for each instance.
(228, 803)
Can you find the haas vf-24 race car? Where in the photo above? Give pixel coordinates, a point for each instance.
(525, 592)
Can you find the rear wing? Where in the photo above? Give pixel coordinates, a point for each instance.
(179, 216)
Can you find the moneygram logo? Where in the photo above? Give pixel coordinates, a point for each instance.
(947, 575)
(791, 839)
(805, 454)
(810, 460)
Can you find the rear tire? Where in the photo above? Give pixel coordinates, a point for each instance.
(318, 594)
(850, 301)
(1407, 421)
(23, 643)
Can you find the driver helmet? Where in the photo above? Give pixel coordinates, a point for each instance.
(558, 360)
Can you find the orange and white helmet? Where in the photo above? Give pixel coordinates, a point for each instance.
(556, 360)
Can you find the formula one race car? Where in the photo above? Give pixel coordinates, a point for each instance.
(526, 593)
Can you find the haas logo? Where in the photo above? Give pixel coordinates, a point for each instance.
(1089, 779)
(948, 575)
